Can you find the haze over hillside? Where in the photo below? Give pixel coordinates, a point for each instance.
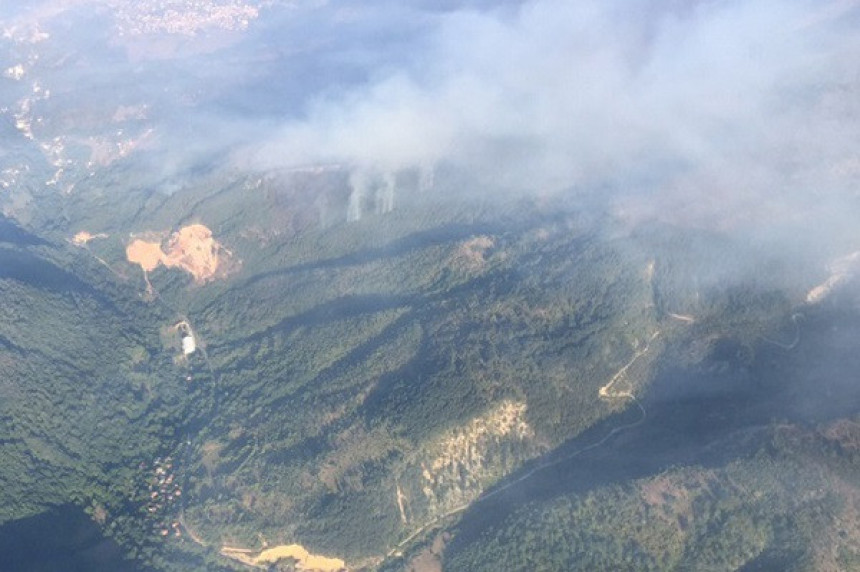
(429, 285)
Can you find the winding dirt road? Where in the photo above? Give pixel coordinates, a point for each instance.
(605, 392)
(794, 318)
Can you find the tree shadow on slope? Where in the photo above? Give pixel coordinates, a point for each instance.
(707, 414)
(64, 538)
(13, 234)
(417, 241)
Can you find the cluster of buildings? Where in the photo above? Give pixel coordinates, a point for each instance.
(164, 493)
(186, 17)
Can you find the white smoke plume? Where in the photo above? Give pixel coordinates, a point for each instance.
(717, 106)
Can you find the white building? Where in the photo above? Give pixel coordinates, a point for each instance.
(188, 345)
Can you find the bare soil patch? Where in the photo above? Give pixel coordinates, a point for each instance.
(304, 559)
(192, 249)
(83, 237)
(148, 255)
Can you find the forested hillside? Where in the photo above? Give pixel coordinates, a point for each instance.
(358, 385)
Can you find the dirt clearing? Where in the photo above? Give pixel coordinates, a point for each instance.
(83, 237)
(192, 249)
(304, 559)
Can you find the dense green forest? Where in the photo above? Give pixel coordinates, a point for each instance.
(789, 505)
(90, 394)
(474, 286)
(359, 385)
(740, 464)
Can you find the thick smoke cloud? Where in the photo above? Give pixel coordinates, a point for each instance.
(708, 112)
(725, 109)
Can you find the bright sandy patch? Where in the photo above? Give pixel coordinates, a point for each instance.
(454, 450)
(458, 465)
(304, 559)
(84, 237)
(841, 270)
(192, 248)
(146, 254)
